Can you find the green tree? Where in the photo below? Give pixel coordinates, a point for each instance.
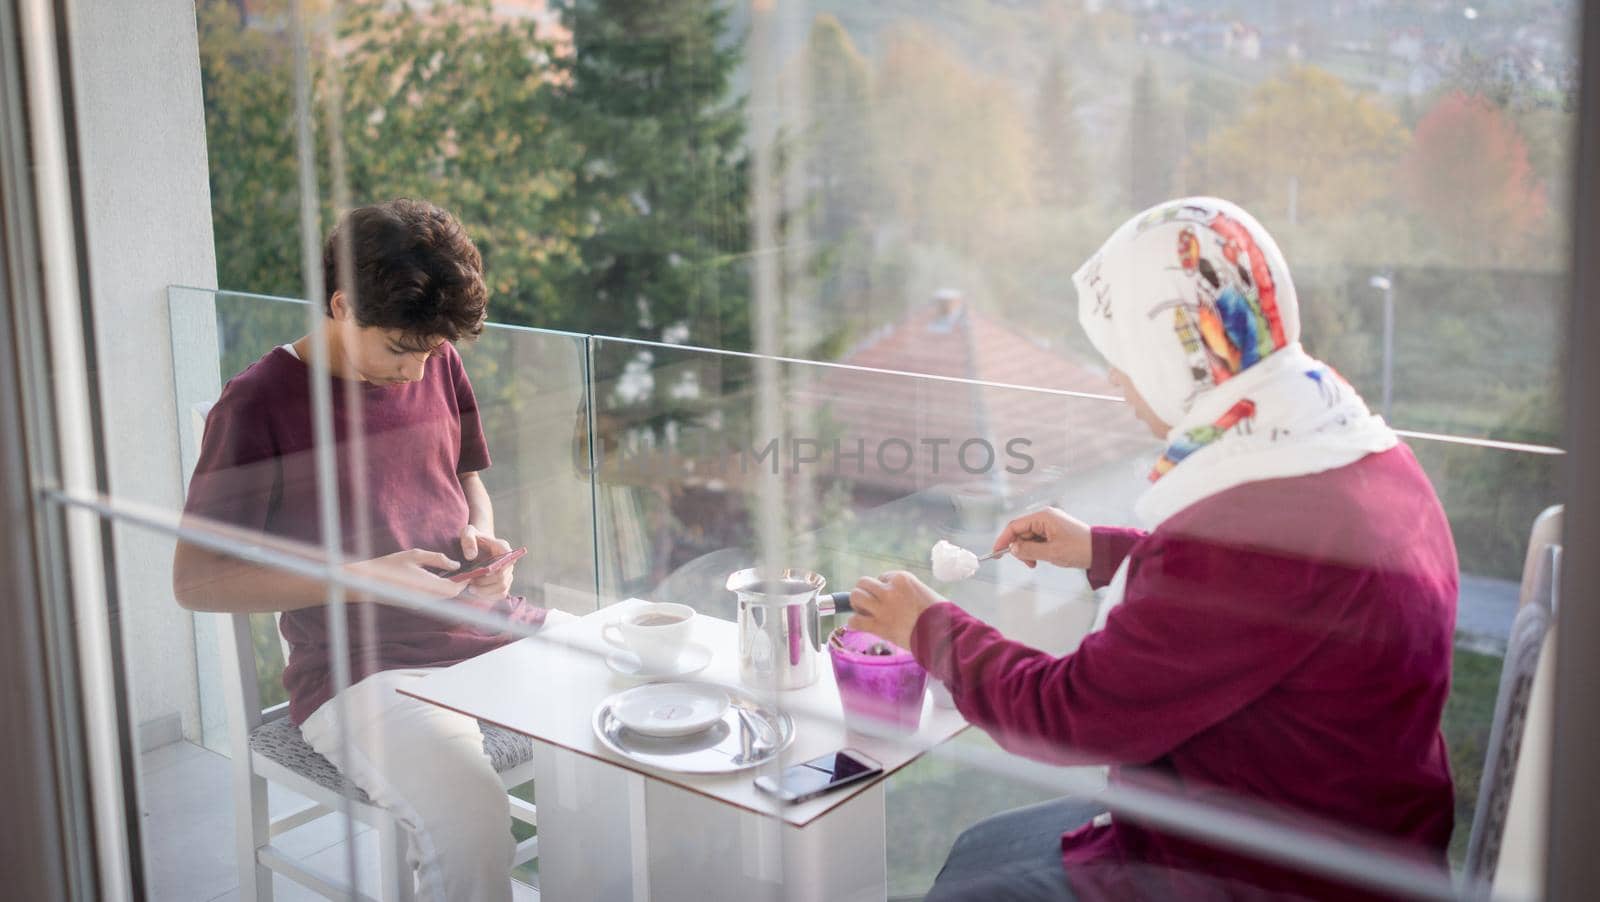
(1060, 168)
(1152, 149)
(455, 106)
(451, 106)
(605, 186)
(1331, 325)
(247, 82)
(1493, 496)
(660, 183)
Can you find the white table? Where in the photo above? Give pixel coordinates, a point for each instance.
(610, 828)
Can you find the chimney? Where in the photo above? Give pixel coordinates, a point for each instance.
(949, 301)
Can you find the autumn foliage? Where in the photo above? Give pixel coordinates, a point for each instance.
(1305, 141)
(1467, 174)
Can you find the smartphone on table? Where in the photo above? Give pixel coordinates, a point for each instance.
(474, 569)
(820, 775)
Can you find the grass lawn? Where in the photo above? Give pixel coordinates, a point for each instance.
(1474, 681)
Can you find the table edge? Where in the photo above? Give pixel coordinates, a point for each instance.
(635, 767)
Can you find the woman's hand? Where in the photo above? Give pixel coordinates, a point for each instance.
(476, 543)
(410, 570)
(1048, 535)
(889, 606)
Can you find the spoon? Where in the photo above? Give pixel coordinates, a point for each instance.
(752, 738)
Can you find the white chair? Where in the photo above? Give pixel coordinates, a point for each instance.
(267, 747)
(1513, 704)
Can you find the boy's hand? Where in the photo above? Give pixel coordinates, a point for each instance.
(475, 544)
(410, 570)
(1049, 535)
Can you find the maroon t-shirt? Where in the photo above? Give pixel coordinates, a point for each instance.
(1283, 645)
(257, 471)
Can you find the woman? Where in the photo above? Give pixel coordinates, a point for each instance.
(1281, 634)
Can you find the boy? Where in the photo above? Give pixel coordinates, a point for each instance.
(410, 502)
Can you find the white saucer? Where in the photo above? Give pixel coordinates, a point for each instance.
(670, 709)
(692, 659)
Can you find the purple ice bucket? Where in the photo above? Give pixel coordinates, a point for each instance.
(880, 684)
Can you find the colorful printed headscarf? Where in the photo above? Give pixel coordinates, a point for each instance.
(1193, 301)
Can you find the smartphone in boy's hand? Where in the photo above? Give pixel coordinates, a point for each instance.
(492, 564)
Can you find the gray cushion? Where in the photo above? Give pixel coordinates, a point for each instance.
(280, 741)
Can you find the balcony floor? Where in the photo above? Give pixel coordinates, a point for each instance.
(187, 829)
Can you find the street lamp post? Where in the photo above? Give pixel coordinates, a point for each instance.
(1386, 285)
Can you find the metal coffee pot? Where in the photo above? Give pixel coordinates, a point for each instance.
(780, 625)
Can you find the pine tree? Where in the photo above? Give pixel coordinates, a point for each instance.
(1152, 151)
(660, 174)
(1209, 105)
(1060, 166)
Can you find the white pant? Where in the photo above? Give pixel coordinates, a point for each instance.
(425, 765)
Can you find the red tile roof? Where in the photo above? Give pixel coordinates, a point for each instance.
(948, 339)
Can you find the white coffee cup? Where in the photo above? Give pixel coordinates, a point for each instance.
(655, 632)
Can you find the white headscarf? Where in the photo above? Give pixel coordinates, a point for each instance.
(1193, 301)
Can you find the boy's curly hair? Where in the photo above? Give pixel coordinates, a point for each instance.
(415, 270)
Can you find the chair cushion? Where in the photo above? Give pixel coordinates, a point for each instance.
(280, 741)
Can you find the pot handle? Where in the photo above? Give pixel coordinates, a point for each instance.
(834, 603)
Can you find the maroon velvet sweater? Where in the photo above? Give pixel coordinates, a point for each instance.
(1283, 645)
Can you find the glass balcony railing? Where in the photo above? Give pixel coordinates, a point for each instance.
(645, 469)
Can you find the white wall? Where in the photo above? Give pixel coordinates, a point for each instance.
(136, 71)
